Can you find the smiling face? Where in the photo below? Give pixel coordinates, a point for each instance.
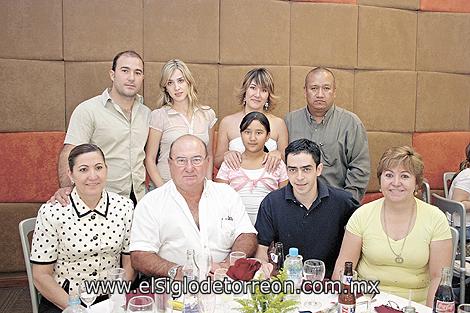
(256, 97)
(320, 92)
(128, 76)
(398, 184)
(186, 168)
(177, 87)
(89, 174)
(303, 172)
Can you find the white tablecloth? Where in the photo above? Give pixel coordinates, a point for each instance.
(325, 299)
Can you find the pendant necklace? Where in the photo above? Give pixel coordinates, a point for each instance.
(398, 258)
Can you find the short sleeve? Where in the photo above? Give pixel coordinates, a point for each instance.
(264, 223)
(128, 222)
(462, 181)
(44, 245)
(157, 119)
(355, 224)
(243, 223)
(212, 118)
(441, 229)
(223, 172)
(143, 234)
(81, 126)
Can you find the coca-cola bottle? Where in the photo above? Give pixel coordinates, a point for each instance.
(346, 297)
(444, 300)
(276, 257)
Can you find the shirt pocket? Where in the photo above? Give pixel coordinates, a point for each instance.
(329, 153)
(227, 232)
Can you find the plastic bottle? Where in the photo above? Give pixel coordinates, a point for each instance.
(293, 267)
(74, 304)
(190, 273)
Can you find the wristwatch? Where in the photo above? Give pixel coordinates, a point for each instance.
(173, 271)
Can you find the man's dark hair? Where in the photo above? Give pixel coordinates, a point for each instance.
(305, 146)
(130, 53)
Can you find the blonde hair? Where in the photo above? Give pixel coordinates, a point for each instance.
(404, 156)
(168, 69)
(261, 77)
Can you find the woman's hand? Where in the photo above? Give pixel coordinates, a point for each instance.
(271, 160)
(233, 159)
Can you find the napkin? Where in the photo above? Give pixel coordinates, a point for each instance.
(386, 309)
(243, 269)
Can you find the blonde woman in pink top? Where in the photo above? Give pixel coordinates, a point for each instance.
(251, 180)
(179, 114)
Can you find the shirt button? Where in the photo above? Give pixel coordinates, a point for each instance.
(95, 255)
(95, 237)
(94, 273)
(93, 216)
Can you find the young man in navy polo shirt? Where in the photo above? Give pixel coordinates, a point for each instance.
(307, 213)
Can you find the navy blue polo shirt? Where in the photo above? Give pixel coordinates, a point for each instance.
(316, 231)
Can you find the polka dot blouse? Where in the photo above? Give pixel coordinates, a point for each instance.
(82, 244)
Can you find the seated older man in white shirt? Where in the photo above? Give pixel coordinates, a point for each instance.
(188, 212)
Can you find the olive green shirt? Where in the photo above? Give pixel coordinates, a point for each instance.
(343, 143)
(102, 122)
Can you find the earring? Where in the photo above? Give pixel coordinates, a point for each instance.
(73, 183)
(266, 106)
(244, 101)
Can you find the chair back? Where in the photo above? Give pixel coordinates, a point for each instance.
(447, 178)
(27, 226)
(426, 191)
(451, 207)
(455, 243)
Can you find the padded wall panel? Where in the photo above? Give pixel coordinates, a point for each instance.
(207, 81)
(328, 1)
(443, 42)
(344, 87)
(32, 95)
(324, 34)
(98, 30)
(443, 102)
(31, 29)
(29, 165)
(11, 252)
(230, 79)
(446, 6)
(183, 29)
(385, 100)
(386, 39)
(441, 152)
(84, 80)
(398, 4)
(254, 32)
(378, 143)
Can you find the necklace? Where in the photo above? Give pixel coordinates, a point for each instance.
(398, 258)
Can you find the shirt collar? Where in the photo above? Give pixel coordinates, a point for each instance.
(327, 116)
(82, 209)
(170, 109)
(322, 193)
(106, 98)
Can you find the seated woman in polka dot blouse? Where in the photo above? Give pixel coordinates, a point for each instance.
(83, 240)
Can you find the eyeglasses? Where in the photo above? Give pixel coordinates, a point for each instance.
(182, 161)
(393, 305)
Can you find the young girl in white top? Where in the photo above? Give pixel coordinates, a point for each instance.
(251, 180)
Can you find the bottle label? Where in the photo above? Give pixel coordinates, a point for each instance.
(445, 307)
(347, 279)
(346, 308)
(274, 258)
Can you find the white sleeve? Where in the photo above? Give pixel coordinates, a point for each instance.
(144, 232)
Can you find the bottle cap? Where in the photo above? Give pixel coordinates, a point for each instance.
(293, 251)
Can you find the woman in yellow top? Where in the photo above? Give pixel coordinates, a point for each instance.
(398, 239)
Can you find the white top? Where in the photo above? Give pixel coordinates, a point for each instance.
(461, 181)
(163, 222)
(236, 144)
(81, 243)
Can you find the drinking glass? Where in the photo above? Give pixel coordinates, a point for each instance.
(463, 308)
(140, 304)
(206, 303)
(117, 300)
(87, 295)
(314, 270)
(222, 300)
(369, 294)
(235, 256)
(204, 262)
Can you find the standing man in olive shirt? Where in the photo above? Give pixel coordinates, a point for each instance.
(339, 133)
(118, 122)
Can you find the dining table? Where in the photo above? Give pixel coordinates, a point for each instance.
(327, 301)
